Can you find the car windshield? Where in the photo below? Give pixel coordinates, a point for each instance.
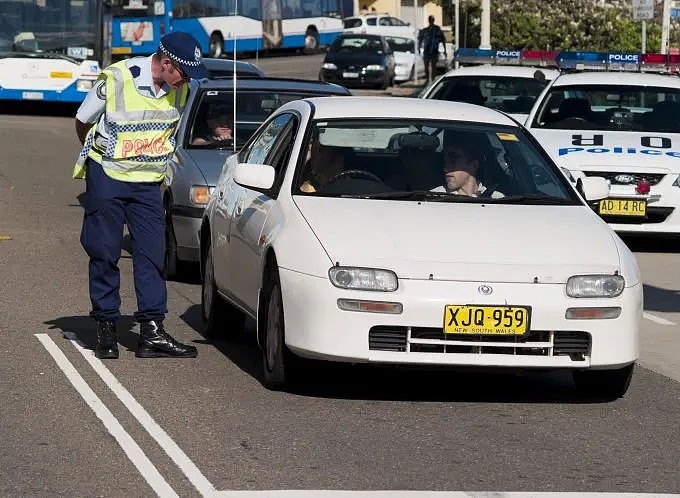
(215, 112)
(357, 44)
(399, 44)
(428, 161)
(606, 107)
(352, 23)
(505, 93)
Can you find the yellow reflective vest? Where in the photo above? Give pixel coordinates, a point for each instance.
(141, 130)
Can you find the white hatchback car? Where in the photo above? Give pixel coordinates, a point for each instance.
(379, 24)
(336, 228)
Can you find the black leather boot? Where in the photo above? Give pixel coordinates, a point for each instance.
(155, 342)
(107, 340)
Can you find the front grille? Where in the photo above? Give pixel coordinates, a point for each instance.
(575, 344)
(652, 178)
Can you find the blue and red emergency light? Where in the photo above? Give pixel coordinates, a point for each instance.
(618, 61)
(505, 57)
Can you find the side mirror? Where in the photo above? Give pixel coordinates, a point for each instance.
(593, 188)
(255, 176)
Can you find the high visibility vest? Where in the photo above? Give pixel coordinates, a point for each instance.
(140, 130)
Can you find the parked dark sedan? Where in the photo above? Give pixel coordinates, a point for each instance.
(224, 68)
(359, 60)
(206, 136)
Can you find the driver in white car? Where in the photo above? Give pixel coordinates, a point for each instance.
(323, 163)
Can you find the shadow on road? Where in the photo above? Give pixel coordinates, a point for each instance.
(27, 108)
(662, 300)
(85, 330)
(650, 244)
(399, 383)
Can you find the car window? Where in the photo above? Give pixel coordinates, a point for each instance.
(263, 143)
(397, 22)
(352, 23)
(252, 109)
(409, 159)
(608, 107)
(400, 44)
(384, 21)
(505, 93)
(371, 21)
(357, 44)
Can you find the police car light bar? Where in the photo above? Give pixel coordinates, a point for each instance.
(505, 57)
(662, 63)
(606, 61)
(582, 60)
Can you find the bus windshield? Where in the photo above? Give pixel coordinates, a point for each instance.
(66, 28)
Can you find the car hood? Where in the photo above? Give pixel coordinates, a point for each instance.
(208, 161)
(585, 149)
(463, 242)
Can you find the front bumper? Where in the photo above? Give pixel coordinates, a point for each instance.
(317, 328)
(363, 77)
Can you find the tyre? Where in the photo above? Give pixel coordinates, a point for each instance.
(603, 384)
(311, 42)
(280, 367)
(216, 45)
(220, 319)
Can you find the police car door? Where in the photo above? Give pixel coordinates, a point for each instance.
(272, 145)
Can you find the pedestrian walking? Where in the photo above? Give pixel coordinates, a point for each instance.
(126, 125)
(429, 39)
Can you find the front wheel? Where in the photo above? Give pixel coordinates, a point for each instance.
(220, 318)
(311, 42)
(603, 384)
(280, 366)
(216, 45)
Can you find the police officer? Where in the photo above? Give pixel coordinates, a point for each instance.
(429, 39)
(126, 125)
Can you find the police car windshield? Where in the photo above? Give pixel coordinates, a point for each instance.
(428, 161)
(505, 93)
(606, 107)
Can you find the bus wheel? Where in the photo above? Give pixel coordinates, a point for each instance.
(216, 45)
(311, 41)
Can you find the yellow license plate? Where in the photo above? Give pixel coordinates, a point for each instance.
(488, 320)
(623, 207)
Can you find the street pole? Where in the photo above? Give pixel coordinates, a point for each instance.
(457, 31)
(485, 41)
(644, 36)
(665, 26)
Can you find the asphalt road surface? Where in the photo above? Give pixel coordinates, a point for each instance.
(72, 425)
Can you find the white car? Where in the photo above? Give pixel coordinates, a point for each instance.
(624, 127)
(408, 63)
(332, 229)
(379, 24)
(511, 89)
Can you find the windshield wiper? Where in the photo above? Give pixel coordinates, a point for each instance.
(534, 199)
(414, 195)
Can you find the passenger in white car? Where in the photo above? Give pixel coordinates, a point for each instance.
(462, 166)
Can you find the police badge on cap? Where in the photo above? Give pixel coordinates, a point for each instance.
(184, 50)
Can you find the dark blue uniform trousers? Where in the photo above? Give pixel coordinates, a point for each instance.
(110, 204)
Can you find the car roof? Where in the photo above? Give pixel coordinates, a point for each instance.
(616, 78)
(404, 108)
(512, 71)
(226, 67)
(273, 84)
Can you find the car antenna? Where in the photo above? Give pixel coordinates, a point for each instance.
(233, 70)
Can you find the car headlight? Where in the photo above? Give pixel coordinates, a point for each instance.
(200, 194)
(375, 67)
(595, 285)
(370, 279)
(329, 65)
(84, 85)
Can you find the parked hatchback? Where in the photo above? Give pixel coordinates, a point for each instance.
(359, 60)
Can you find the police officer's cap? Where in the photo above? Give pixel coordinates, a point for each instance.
(184, 50)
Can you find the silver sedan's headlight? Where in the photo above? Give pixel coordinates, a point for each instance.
(595, 285)
(370, 279)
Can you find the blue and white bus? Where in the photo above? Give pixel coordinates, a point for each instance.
(50, 50)
(253, 25)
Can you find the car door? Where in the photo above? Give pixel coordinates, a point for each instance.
(272, 145)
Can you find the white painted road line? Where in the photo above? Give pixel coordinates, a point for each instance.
(657, 319)
(190, 470)
(129, 446)
(309, 493)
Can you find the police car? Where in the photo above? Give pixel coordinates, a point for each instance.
(506, 80)
(612, 118)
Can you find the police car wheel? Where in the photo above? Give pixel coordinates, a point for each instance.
(603, 384)
(280, 367)
(220, 319)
